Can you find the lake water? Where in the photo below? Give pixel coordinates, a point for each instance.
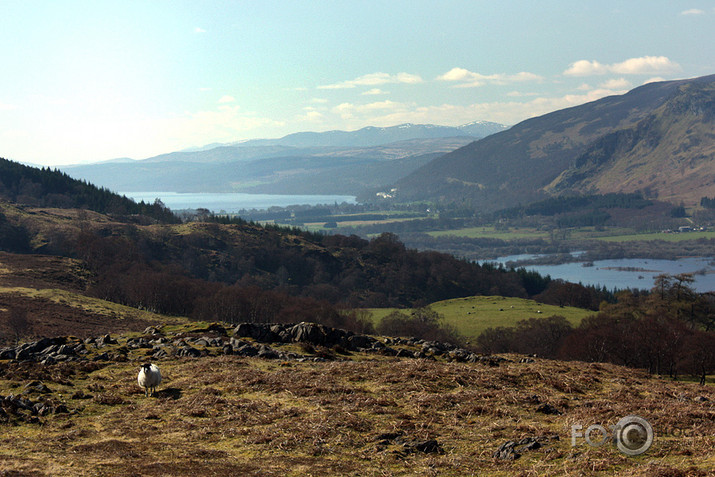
(233, 202)
(627, 272)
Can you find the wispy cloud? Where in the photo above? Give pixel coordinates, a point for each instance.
(199, 30)
(631, 66)
(470, 79)
(374, 92)
(375, 79)
(693, 11)
(225, 99)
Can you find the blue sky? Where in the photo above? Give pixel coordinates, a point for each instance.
(95, 80)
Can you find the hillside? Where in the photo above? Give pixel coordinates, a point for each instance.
(31, 186)
(332, 162)
(73, 408)
(656, 138)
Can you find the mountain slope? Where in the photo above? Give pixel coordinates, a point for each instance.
(525, 162)
(670, 153)
(270, 168)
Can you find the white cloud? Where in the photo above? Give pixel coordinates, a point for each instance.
(374, 92)
(654, 79)
(319, 100)
(692, 11)
(311, 115)
(226, 99)
(619, 83)
(389, 113)
(631, 66)
(585, 68)
(470, 79)
(374, 79)
(199, 30)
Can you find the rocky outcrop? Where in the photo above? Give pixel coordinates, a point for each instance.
(263, 340)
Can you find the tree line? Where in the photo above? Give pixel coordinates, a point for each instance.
(52, 188)
(669, 330)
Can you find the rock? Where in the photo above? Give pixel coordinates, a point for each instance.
(257, 331)
(430, 446)
(189, 352)
(360, 341)
(512, 450)
(106, 340)
(38, 387)
(547, 408)
(7, 353)
(152, 330)
(246, 350)
(266, 352)
(506, 451)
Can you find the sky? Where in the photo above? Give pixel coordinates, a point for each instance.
(87, 81)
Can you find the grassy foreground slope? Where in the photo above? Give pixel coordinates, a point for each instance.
(470, 316)
(357, 415)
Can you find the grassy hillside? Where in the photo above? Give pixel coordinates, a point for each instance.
(357, 415)
(470, 316)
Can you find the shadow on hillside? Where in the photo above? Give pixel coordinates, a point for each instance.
(171, 393)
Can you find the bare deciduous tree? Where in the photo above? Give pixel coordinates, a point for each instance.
(18, 323)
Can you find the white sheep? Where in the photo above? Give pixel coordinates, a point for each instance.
(149, 378)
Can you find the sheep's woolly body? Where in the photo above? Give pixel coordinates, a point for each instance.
(149, 378)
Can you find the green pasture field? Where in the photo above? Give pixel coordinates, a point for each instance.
(491, 232)
(472, 315)
(668, 237)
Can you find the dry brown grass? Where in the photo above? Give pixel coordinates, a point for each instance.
(243, 416)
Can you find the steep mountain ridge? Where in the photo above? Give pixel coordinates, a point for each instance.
(669, 153)
(522, 164)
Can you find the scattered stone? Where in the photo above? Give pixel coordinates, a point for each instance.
(406, 445)
(512, 450)
(152, 330)
(547, 408)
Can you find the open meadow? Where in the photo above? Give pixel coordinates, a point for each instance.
(470, 316)
(345, 413)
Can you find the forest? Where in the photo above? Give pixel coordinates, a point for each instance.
(669, 330)
(232, 270)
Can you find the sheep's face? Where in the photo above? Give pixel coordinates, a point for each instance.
(146, 367)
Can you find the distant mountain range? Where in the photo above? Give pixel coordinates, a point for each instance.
(658, 139)
(333, 162)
